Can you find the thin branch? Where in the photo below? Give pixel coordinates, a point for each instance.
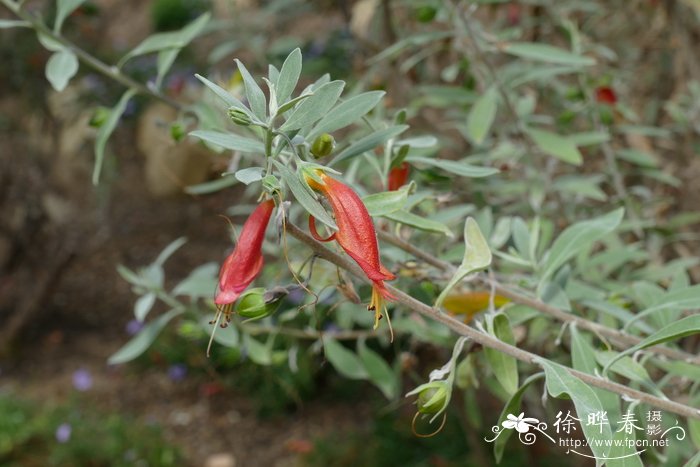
(622, 339)
(111, 72)
(485, 339)
(254, 329)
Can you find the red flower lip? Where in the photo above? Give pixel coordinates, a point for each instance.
(245, 262)
(355, 234)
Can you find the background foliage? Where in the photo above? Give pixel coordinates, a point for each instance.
(551, 149)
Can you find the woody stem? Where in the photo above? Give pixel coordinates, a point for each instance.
(485, 339)
(619, 338)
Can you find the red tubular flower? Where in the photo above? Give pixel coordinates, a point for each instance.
(356, 235)
(605, 95)
(398, 176)
(245, 262)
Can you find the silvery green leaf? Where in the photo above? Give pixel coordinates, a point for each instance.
(143, 340)
(677, 330)
(226, 96)
(381, 204)
(511, 407)
(288, 76)
(143, 305)
(559, 383)
(304, 196)
(343, 360)
(482, 115)
(63, 9)
(230, 141)
(14, 23)
(106, 130)
(547, 53)
(250, 175)
(314, 107)
(577, 237)
(421, 223)
(200, 283)
(346, 113)
(255, 95)
(504, 367)
(169, 250)
(212, 186)
(556, 145)
(168, 40)
(477, 255)
(378, 371)
(369, 142)
(60, 68)
(455, 167)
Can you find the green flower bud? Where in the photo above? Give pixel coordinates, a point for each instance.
(99, 117)
(252, 304)
(400, 117)
(432, 399)
(323, 146)
(239, 117)
(177, 131)
(426, 13)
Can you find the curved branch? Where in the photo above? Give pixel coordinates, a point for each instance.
(621, 339)
(111, 72)
(485, 339)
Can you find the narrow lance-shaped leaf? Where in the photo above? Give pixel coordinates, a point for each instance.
(106, 130)
(63, 9)
(547, 53)
(212, 186)
(255, 95)
(686, 298)
(343, 360)
(226, 96)
(168, 40)
(381, 204)
(288, 76)
(561, 382)
(482, 115)
(455, 167)
(315, 107)
(368, 142)
(379, 371)
(512, 407)
(477, 255)
(577, 237)
(556, 145)
(230, 141)
(143, 340)
(677, 330)
(304, 196)
(418, 222)
(14, 23)
(346, 113)
(504, 366)
(169, 250)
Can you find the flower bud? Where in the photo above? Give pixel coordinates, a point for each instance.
(252, 304)
(323, 146)
(99, 117)
(239, 117)
(432, 398)
(177, 131)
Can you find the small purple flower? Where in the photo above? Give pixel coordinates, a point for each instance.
(82, 379)
(177, 372)
(133, 327)
(63, 432)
